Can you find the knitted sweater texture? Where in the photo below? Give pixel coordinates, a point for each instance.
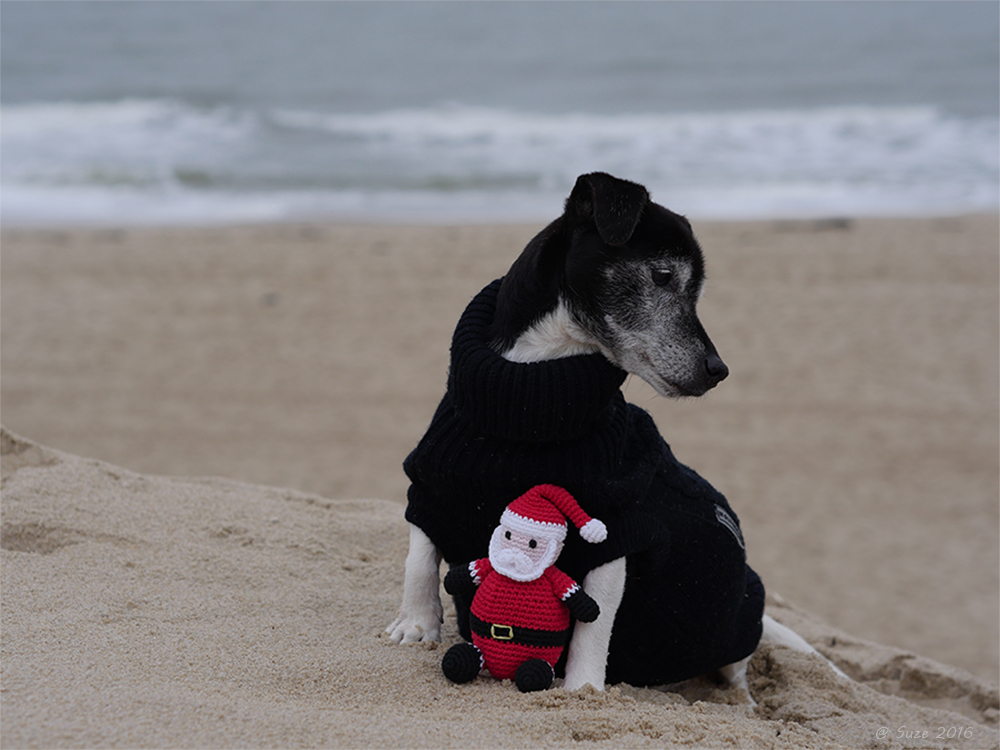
(691, 603)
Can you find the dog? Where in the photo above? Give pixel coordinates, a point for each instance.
(608, 288)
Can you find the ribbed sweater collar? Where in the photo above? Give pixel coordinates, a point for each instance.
(540, 401)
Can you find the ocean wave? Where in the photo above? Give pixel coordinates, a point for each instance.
(849, 143)
(168, 158)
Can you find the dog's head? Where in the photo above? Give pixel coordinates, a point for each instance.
(630, 273)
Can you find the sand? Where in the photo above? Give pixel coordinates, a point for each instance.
(150, 611)
(857, 438)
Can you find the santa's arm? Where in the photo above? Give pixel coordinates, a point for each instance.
(465, 579)
(580, 604)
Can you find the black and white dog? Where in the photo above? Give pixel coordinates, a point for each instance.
(608, 288)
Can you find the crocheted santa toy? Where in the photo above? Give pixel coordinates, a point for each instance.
(520, 614)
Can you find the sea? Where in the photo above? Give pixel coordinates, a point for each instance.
(176, 112)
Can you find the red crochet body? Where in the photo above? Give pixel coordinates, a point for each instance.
(534, 604)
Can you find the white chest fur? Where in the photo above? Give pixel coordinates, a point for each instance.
(554, 336)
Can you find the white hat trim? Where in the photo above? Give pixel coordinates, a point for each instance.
(533, 527)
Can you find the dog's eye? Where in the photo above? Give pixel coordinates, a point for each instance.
(662, 278)
(507, 535)
(532, 544)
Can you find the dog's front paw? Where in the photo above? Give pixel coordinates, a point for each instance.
(578, 678)
(415, 628)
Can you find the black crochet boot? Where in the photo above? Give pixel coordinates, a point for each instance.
(462, 663)
(534, 674)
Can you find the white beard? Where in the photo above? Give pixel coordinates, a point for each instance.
(509, 558)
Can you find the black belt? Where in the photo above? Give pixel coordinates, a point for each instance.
(514, 634)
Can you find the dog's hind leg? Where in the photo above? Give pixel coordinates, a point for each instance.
(588, 651)
(736, 675)
(420, 614)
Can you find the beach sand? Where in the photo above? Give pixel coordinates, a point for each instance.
(150, 611)
(857, 438)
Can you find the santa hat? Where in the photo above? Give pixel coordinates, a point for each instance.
(542, 512)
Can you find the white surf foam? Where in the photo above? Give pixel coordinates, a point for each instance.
(152, 161)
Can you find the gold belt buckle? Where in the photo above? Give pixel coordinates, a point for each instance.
(501, 632)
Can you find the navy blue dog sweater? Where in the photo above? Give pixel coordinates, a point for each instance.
(691, 603)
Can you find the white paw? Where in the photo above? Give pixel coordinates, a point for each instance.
(416, 628)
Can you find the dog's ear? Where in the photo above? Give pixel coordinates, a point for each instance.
(614, 205)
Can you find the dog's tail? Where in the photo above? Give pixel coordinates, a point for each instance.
(782, 635)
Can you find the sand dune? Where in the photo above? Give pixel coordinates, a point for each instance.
(148, 611)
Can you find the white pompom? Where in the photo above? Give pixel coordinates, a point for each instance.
(594, 531)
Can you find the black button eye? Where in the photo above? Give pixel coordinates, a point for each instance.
(662, 278)
(507, 535)
(532, 544)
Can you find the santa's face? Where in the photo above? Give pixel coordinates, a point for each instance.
(521, 556)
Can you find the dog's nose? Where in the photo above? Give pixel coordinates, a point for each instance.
(717, 370)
